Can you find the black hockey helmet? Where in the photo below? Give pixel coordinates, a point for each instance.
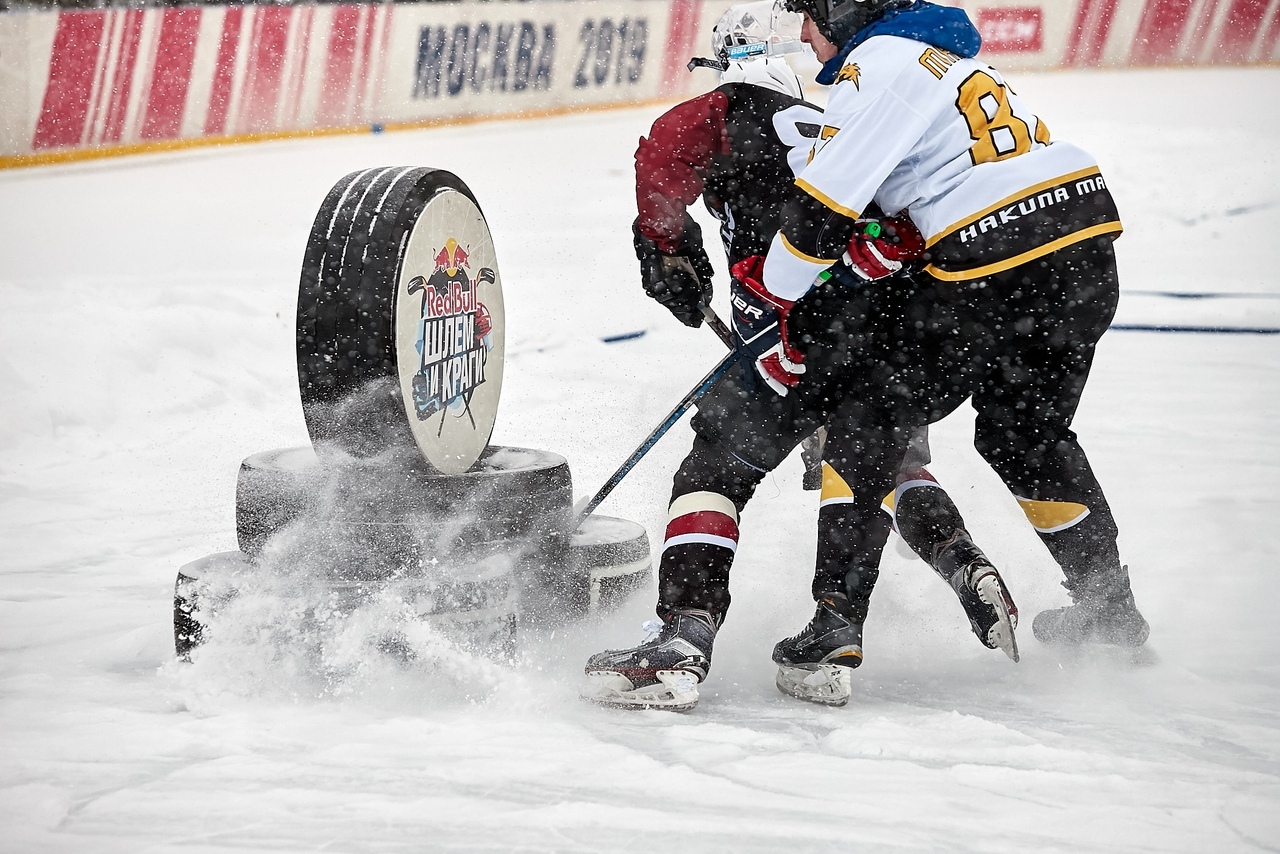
(838, 20)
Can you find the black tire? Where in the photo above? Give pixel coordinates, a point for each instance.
(191, 592)
(481, 616)
(317, 343)
(510, 497)
(355, 319)
(608, 560)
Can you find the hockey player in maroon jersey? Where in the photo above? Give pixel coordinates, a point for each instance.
(739, 147)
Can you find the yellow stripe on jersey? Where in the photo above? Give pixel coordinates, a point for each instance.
(1050, 516)
(1009, 200)
(834, 488)
(1031, 255)
(827, 200)
(826, 262)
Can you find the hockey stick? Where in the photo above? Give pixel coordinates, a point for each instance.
(717, 326)
(584, 508)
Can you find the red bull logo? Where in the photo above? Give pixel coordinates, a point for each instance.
(451, 257)
(453, 333)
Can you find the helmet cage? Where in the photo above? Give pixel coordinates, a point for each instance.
(754, 30)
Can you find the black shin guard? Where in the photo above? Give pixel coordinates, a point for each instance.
(927, 520)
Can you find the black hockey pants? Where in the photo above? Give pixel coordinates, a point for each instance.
(736, 446)
(743, 431)
(1020, 343)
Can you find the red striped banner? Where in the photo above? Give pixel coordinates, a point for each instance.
(122, 76)
(264, 73)
(72, 68)
(385, 13)
(132, 78)
(366, 56)
(215, 122)
(1240, 31)
(1267, 49)
(1089, 35)
(682, 36)
(1160, 31)
(167, 96)
(335, 94)
(298, 72)
(1202, 31)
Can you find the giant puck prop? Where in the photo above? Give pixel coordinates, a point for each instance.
(401, 328)
(400, 346)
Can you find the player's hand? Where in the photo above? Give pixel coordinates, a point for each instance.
(760, 325)
(681, 280)
(878, 247)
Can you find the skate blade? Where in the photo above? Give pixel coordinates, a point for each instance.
(824, 684)
(676, 691)
(1001, 636)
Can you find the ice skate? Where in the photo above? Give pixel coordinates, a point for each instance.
(662, 672)
(986, 601)
(1103, 613)
(816, 664)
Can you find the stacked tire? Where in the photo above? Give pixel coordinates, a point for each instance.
(469, 542)
(400, 341)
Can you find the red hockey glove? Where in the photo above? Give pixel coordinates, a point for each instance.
(878, 247)
(760, 324)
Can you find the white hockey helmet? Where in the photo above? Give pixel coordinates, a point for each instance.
(759, 29)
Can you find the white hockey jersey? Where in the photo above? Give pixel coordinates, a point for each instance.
(943, 139)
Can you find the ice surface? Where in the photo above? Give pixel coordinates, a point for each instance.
(146, 347)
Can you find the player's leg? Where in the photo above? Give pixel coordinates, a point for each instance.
(923, 369)
(1025, 409)
(740, 436)
(815, 664)
(930, 523)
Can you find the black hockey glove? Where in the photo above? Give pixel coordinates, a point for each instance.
(680, 281)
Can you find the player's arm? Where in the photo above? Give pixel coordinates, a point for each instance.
(671, 165)
(865, 141)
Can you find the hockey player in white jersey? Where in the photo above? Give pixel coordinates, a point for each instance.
(1020, 281)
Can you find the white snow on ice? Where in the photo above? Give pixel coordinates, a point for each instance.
(146, 347)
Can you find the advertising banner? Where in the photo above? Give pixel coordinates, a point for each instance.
(85, 83)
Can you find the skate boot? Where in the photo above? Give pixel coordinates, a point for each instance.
(1103, 612)
(982, 593)
(662, 672)
(815, 665)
